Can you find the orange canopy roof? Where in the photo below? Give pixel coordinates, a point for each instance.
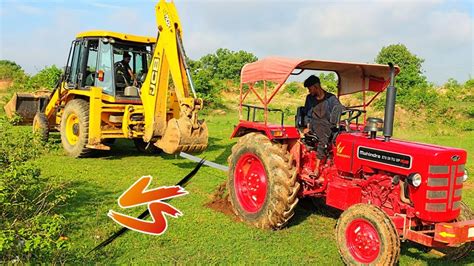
(353, 77)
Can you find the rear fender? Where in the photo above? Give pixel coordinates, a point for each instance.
(273, 132)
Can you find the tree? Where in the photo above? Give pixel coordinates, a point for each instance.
(411, 73)
(213, 72)
(225, 64)
(329, 81)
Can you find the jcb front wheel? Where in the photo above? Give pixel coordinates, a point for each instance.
(262, 182)
(365, 235)
(75, 128)
(41, 126)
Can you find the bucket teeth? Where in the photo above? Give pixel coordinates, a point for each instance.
(180, 136)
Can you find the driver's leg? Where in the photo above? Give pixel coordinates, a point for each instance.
(323, 132)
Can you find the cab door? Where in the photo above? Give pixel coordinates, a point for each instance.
(73, 74)
(105, 75)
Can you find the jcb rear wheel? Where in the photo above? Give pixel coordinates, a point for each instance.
(75, 128)
(456, 253)
(366, 236)
(262, 182)
(41, 126)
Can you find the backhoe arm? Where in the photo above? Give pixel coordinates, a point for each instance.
(171, 116)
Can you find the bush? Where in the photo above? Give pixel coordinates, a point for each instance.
(30, 229)
(294, 87)
(11, 71)
(419, 97)
(213, 73)
(44, 79)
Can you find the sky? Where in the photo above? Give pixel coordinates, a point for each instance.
(36, 34)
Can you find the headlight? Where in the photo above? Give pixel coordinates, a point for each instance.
(414, 179)
(465, 176)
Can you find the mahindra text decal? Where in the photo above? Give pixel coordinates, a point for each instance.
(384, 157)
(138, 195)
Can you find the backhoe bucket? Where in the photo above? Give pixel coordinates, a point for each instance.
(26, 105)
(180, 136)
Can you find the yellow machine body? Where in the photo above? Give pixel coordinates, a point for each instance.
(157, 114)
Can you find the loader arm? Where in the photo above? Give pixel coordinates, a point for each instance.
(171, 116)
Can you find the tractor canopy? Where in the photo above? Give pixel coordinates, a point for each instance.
(353, 77)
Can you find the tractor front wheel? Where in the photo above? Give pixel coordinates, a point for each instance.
(366, 236)
(262, 182)
(75, 128)
(41, 126)
(456, 253)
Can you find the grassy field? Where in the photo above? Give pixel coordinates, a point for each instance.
(202, 235)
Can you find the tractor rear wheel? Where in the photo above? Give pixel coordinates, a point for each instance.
(456, 253)
(366, 236)
(262, 182)
(75, 128)
(41, 126)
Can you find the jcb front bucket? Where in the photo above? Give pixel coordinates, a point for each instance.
(180, 136)
(26, 105)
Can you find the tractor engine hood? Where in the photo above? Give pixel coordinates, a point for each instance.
(438, 196)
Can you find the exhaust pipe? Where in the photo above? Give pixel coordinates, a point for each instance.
(390, 105)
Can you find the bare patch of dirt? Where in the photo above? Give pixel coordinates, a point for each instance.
(218, 112)
(220, 202)
(4, 84)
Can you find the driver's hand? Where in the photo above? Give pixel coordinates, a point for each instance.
(305, 130)
(135, 83)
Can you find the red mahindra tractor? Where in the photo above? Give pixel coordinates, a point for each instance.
(389, 190)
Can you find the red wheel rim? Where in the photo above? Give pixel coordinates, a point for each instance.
(250, 182)
(363, 241)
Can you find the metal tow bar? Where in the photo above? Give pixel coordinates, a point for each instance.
(206, 162)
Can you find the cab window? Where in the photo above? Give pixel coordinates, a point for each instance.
(104, 74)
(73, 74)
(91, 65)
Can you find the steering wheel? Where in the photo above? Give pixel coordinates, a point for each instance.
(353, 115)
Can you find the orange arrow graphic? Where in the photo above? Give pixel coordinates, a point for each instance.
(137, 195)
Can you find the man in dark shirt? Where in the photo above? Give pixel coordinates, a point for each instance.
(318, 108)
(123, 72)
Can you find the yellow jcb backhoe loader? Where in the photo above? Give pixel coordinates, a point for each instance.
(95, 103)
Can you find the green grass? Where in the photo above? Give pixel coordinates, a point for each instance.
(202, 235)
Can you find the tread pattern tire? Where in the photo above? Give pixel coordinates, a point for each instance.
(456, 253)
(282, 187)
(80, 108)
(41, 126)
(390, 241)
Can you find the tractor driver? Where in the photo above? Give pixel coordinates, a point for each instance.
(318, 107)
(123, 72)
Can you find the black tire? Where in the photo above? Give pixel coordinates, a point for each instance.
(108, 141)
(76, 108)
(324, 209)
(146, 147)
(282, 187)
(388, 239)
(41, 126)
(456, 253)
